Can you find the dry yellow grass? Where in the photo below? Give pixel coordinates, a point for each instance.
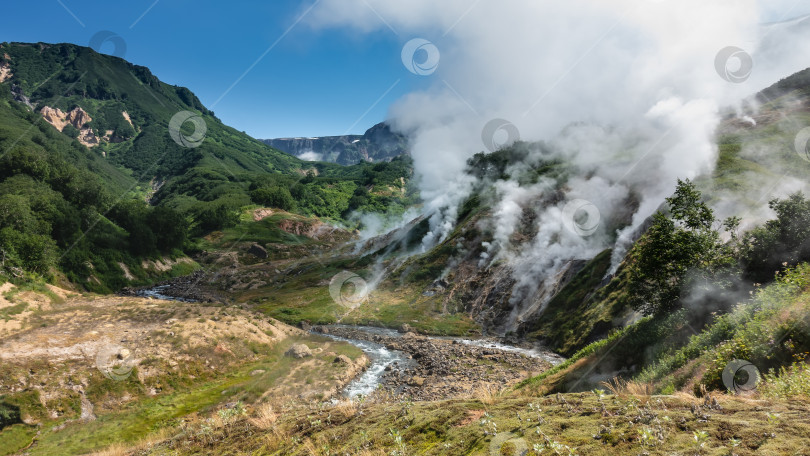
(346, 408)
(488, 394)
(265, 417)
(623, 388)
(120, 449)
(116, 449)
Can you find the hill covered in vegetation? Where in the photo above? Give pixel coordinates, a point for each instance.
(89, 139)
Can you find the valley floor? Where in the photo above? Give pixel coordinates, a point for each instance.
(78, 373)
(581, 424)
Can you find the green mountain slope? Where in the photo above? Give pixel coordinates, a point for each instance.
(110, 123)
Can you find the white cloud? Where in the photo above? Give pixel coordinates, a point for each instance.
(310, 156)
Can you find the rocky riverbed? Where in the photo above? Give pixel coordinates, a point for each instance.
(445, 368)
(186, 288)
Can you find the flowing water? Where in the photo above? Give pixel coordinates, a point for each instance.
(157, 293)
(381, 357)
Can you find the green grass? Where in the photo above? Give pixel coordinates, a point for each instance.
(15, 438)
(582, 423)
(145, 415)
(769, 331)
(597, 309)
(7, 312)
(266, 231)
(135, 421)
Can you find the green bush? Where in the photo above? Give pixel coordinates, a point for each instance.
(278, 197)
(71, 131)
(677, 253)
(784, 241)
(9, 414)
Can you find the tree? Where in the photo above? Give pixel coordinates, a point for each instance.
(785, 239)
(212, 218)
(677, 252)
(71, 131)
(124, 130)
(279, 197)
(170, 227)
(32, 252)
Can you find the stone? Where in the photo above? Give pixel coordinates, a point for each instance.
(343, 359)
(257, 251)
(298, 351)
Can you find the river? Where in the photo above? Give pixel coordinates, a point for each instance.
(382, 359)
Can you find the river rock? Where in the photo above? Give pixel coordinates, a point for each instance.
(257, 251)
(298, 351)
(437, 369)
(343, 359)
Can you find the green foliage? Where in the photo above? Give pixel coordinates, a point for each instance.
(71, 131)
(32, 252)
(9, 414)
(784, 241)
(151, 230)
(63, 206)
(278, 197)
(769, 331)
(677, 252)
(787, 382)
(211, 218)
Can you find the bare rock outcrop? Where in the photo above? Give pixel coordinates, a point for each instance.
(298, 351)
(258, 251)
(5, 71)
(77, 117)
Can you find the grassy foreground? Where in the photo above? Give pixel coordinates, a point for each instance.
(590, 423)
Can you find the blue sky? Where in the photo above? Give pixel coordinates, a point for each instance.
(311, 83)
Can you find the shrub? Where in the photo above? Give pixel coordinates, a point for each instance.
(677, 252)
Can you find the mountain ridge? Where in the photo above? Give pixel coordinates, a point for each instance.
(378, 143)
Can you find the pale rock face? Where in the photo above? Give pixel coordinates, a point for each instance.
(77, 117)
(5, 69)
(299, 351)
(5, 72)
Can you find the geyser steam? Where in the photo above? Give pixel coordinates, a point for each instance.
(627, 91)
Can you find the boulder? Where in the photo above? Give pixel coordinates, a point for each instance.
(343, 359)
(298, 351)
(257, 251)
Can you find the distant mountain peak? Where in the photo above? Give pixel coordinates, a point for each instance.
(378, 143)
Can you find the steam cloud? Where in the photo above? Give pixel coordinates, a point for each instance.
(626, 91)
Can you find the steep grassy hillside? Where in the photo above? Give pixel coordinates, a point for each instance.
(88, 140)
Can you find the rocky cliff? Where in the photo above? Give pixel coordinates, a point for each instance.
(379, 143)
